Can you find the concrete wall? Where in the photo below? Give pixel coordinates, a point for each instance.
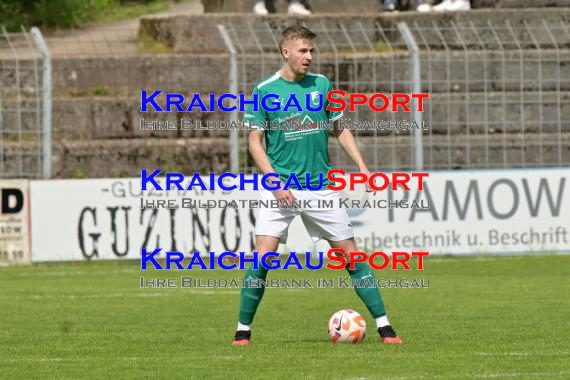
(209, 73)
(130, 74)
(342, 6)
(199, 33)
(440, 152)
(96, 111)
(125, 158)
(91, 119)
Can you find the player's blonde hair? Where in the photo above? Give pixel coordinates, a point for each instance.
(295, 32)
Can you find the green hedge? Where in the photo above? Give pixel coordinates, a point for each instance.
(56, 13)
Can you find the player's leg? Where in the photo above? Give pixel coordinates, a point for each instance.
(299, 7)
(361, 273)
(270, 228)
(251, 296)
(259, 8)
(333, 225)
(368, 291)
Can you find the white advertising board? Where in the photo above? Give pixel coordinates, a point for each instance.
(103, 219)
(464, 212)
(473, 212)
(14, 223)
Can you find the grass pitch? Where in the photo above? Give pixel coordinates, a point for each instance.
(481, 317)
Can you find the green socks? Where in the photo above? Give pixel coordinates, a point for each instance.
(370, 295)
(362, 273)
(251, 296)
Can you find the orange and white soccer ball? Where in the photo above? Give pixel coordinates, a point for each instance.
(347, 326)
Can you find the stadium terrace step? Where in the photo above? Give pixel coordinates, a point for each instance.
(460, 113)
(464, 151)
(318, 6)
(520, 3)
(88, 119)
(209, 73)
(251, 33)
(120, 118)
(342, 6)
(131, 73)
(112, 158)
(125, 157)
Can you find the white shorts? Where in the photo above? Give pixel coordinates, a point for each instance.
(321, 222)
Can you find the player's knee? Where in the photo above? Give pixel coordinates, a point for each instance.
(348, 245)
(269, 258)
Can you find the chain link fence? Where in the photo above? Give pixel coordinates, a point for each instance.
(499, 92)
(97, 76)
(25, 107)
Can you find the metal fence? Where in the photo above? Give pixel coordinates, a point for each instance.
(25, 105)
(96, 79)
(498, 91)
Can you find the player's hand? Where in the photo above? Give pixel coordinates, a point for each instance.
(284, 197)
(369, 188)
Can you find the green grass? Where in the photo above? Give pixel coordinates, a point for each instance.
(496, 317)
(64, 14)
(134, 10)
(148, 44)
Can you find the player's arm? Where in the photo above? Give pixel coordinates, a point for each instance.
(258, 153)
(262, 162)
(348, 143)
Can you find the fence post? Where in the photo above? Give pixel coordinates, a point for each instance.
(558, 105)
(47, 101)
(234, 149)
(416, 89)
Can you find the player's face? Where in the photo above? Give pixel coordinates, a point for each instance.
(299, 54)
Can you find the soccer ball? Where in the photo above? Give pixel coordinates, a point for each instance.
(347, 326)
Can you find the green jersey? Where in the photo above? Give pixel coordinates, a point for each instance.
(291, 149)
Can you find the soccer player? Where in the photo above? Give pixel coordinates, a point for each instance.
(301, 151)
